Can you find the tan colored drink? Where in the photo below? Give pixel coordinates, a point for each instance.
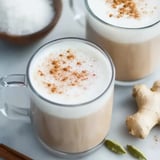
(131, 35)
(73, 135)
(73, 80)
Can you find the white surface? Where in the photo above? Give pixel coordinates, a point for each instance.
(19, 134)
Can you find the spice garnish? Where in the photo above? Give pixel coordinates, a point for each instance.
(115, 147)
(136, 152)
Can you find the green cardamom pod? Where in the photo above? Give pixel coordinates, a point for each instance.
(114, 147)
(136, 152)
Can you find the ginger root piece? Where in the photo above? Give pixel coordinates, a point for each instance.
(148, 114)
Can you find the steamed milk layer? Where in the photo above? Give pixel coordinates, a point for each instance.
(127, 37)
(71, 73)
(148, 14)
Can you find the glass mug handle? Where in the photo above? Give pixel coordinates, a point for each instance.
(78, 9)
(8, 110)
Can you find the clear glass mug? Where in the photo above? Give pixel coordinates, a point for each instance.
(133, 49)
(67, 128)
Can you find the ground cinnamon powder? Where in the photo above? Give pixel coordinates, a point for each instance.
(124, 8)
(62, 71)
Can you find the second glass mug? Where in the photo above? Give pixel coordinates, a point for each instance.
(133, 49)
(69, 127)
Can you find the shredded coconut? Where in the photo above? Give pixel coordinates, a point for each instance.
(21, 17)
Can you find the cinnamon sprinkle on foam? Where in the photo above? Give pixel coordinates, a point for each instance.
(61, 70)
(124, 8)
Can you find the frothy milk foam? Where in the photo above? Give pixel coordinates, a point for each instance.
(148, 14)
(129, 31)
(70, 73)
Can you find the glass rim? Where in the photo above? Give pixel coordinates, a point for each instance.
(103, 52)
(112, 25)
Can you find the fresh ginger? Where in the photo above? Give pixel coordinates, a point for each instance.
(148, 114)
